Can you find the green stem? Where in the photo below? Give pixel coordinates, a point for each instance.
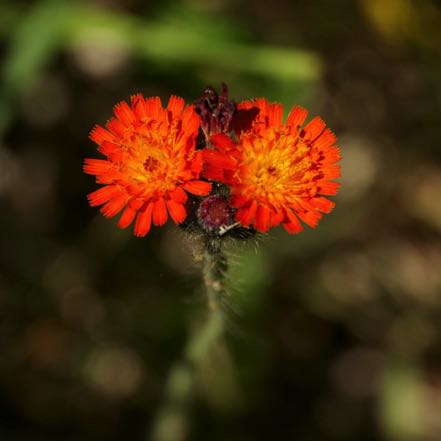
(215, 267)
(171, 422)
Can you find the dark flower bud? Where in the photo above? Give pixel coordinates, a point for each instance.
(216, 111)
(216, 215)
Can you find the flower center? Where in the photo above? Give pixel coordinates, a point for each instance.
(274, 166)
(151, 164)
(155, 164)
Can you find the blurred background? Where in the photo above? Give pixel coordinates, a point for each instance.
(334, 334)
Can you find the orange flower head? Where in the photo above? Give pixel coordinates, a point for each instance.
(151, 162)
(277, 173)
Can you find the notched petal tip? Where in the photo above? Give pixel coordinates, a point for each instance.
(314, 129)
(292, 224)
(143, 220)
(296, 117)
(99, 134)
(114, 206)
(127, 217)
(96, 166)
(103, 195)
(175, 105)
(160, 215)
(124, 113)
(177, 211)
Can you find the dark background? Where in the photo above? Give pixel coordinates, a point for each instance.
(334, 334)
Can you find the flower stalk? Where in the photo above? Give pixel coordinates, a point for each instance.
(214, 268)
(172, 422)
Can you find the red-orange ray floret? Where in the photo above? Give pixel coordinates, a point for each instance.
(151, 162)
(278, 172)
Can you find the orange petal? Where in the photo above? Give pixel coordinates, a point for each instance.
(246, 215)
(103, 195)
(275, 114)
(96, 166)
(314, 129)
(136, 203)
(127, 217)
(139, 107)
(159, 212)
(175, 106)
(109, 148)
(325, 140)
(275, 218)
(228, 177)
(262, 104)
(328, 188)
(246, 104)
(239, 201)
(114, 206)
(296, 117)
(199, 188)
(322, 204)
(178, 195)
(218, 159)
(306, 213)
(293, 228)
(197, 163)
(190, 120)
(116, 127)
(124, 113)
(294, 225)
(222, 142)
(153, 107)
(262, 220)
(144, 220)
(332, 154)
(99, 135)
(214, 173)
(332, 172)
(177, 211)
(267, 113)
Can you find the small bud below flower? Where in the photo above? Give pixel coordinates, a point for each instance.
(215, 214)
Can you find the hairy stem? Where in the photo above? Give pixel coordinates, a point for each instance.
(215, 266)
(172, 422)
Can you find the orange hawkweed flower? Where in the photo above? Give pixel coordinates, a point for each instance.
(151, 162)
(277, 173)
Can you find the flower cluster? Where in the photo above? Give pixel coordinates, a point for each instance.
(250, 170)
